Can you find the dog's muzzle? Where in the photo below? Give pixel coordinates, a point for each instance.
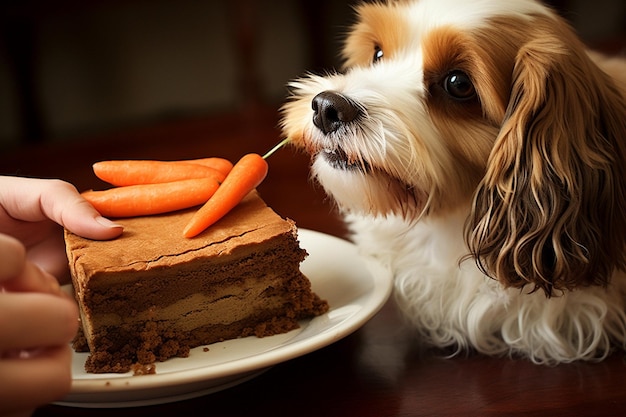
(333, 111)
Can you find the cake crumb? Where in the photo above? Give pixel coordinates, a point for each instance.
(205, 349)
(140, 369)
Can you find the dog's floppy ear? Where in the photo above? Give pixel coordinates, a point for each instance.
(550, 211)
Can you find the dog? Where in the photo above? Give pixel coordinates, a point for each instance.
(478, 150)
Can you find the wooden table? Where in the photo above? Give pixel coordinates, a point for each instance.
(380, 370)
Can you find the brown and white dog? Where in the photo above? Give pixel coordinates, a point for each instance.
(478, 150)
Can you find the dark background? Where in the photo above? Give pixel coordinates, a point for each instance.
(71, 69)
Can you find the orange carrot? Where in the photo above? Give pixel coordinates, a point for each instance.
(245, 176)
(221, 164)
(134, 172)
(147, 199)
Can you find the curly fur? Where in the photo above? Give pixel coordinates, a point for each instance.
(553, 217)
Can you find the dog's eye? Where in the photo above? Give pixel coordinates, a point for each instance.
(378, 54)
(459, 86)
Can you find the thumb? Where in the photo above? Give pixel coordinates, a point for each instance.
(35, 200)
(68, 208)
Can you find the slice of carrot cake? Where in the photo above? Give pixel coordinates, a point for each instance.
(151, 294)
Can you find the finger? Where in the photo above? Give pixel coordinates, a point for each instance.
(78, 216)
(32, 279)
(12, 258)
(33, 320)
(35, 381)
(46, 251)
(49, 254)
(34, 200)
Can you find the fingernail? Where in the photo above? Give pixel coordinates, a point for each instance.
(107, 223)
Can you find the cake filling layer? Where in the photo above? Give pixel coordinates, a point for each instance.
(226, 305)
(144, 289)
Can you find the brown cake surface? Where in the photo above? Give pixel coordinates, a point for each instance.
(152, 294)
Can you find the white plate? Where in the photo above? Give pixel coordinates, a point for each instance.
(355, 289)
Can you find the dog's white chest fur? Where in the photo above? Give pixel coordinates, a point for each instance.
(454, 305)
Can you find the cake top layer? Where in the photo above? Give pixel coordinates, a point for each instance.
(157, 241)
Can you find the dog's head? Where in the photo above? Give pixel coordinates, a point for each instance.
(487, 103)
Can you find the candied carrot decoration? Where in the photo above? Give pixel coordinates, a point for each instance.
(148, 199)
(244, 177)
(134, 172)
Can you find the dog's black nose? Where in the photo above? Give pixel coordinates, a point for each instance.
(331, 110)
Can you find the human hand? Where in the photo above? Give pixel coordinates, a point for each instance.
(35, 211)
(37, 320)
